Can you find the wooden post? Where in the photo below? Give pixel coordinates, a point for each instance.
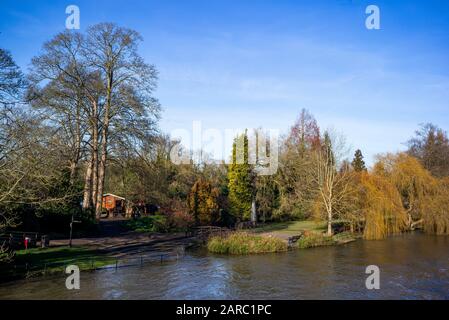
(71, 230)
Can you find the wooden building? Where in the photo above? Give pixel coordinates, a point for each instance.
(114, 205)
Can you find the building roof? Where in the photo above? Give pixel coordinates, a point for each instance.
(113, 195)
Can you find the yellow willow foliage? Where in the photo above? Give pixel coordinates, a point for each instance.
(382, 207)
(424, 197)
(413, 182)
(436, 210)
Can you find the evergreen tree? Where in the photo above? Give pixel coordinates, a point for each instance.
(240, 176)
(203, 203)
(358, 164)
(327, 149)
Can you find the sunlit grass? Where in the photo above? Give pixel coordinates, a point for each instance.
(291, 228)
(37, 261)
(241, 243)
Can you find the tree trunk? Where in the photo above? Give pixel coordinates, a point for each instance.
(94, 155)
(73, 167)
(94, 167)
(87, 195)
(104, 147)
(74, 162)
(77, 147)
(253, 212)
(100, 185)
(329, 223)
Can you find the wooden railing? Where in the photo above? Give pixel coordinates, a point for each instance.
(205, 232)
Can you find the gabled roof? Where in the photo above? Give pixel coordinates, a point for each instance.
(113, 195)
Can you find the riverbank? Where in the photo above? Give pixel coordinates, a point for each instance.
(278, 237)
(118, 243)
(47, 261)
(305, 234)
(413, 266)
(114, 244)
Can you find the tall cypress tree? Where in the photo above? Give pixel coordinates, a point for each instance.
(240, 176)
(358, 164)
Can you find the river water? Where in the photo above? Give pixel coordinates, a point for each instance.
(412, 266)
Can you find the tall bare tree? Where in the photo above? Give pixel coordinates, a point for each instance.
(333, 186)
(431, 146)
(11, 83)
(58, 90)
(128, 84)
(98, 92)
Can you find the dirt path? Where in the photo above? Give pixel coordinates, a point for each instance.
(114, 239)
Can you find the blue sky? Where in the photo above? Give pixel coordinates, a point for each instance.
(248, 63)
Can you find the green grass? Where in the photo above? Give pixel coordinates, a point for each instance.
(315, 239)
(319, 239)
(313, 233)
(292, 228)
(242, 243)
(156, 223)
(37, 261)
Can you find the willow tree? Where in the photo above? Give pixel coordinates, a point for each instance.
(414, 183)
(435, 211)
(381, 206)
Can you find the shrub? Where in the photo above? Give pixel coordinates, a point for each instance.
(180, 221)
(245, 243)
(156, 223)
(314, 239)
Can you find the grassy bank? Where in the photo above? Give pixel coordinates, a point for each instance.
(244, 243)
(291, 228)
(38, 261)
(318, 239)
(313, 233)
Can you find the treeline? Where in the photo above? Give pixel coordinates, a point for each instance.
(83, 121)
(87, 98)
(316, 180)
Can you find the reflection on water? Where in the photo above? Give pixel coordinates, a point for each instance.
(413, 266)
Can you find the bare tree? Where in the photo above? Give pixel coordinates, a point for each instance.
(333, 186)
(62, 99)
(11, 83)
(98, 93)
(431, 146)
(128, 86)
